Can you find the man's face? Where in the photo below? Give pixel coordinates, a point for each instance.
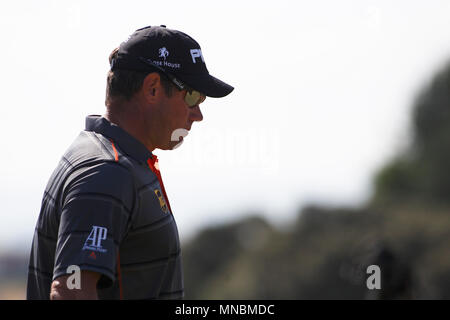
(175, 114)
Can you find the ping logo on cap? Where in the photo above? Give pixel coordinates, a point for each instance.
(196, 53)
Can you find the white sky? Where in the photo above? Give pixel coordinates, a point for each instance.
(322, 99)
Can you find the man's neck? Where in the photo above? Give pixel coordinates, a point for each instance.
(132, 123)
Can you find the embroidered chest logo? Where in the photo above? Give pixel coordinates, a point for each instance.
(95, 238)
(162, 202)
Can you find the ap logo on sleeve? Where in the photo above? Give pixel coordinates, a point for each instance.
(95, 238)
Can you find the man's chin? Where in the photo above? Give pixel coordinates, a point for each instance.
(175, 144)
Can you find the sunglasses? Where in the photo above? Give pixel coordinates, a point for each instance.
(192, 97)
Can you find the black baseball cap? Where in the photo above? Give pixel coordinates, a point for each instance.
(173, 52)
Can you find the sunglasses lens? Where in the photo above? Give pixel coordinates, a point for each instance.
(193, 98)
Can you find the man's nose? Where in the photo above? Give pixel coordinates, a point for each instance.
(196, 113)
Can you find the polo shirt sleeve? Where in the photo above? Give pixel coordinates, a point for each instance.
(95, 213)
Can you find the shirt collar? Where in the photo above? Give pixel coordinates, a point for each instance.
(123, 139)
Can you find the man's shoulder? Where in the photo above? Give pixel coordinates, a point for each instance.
(90, 146)
(99, 179)
(93, 158)
(89, 156)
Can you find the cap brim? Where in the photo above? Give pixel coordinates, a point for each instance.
(208, 85)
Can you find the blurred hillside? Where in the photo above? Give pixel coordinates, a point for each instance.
(324, 255)
(420, 172)
(404, 228)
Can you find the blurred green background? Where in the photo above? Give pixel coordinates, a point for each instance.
(404, 228)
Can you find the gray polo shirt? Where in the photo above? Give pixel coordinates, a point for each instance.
(104, 210)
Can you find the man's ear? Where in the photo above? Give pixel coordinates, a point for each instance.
(151, 87)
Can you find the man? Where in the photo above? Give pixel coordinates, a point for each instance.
(105, 213)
